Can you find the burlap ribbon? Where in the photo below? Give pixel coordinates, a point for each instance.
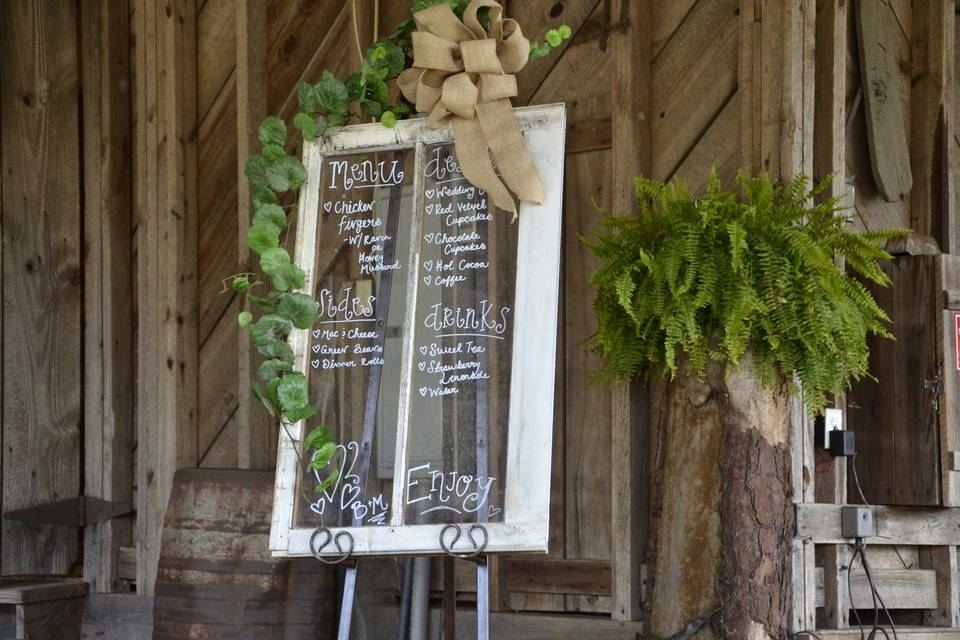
(463, 73)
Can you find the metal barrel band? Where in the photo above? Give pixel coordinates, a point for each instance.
(345, 554)
(469, 555)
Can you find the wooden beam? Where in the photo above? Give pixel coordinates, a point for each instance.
(829, 157)
(167, 305)
(257, 441)
(945, 611)
(42, 280)
(108, 330)
(820, 524)
(931, 95)
(901, 588)
(630, 107)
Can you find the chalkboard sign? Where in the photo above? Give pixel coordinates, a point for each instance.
(433, 357)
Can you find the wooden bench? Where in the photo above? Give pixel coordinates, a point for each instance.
(46, 608)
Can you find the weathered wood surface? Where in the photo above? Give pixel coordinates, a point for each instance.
(54, 620)
(108, 328)
(945, 611)
(888, 146)
(167, 264)
(900, 588)
(42, 277)
(820, 523)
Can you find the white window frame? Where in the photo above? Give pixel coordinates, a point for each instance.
(526, 514)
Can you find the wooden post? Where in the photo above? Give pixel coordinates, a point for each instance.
(630, 107)
(167, 298)
(830, 158)
(257, 440)
(943, 560)
(42, 279)
(108, 328)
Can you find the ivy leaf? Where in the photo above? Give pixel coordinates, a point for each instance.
(273, 153)
(268, 303)
(307, 98)
(388, 54)
(255, 169)
(324, 454)
(261, 395)
(318, 437)
(332, 94)
(263, 236)
(271, 368)
(269, 329)
(271, 214)
(371, 109)
(277, 349)
(264, 195)
(304, 412)
(328, 481)
(286, 174)
(388, 119)
(322, 125)
(241, 284)
(244, 319)
(284, 275)
(355, 89)
(307, 125)
(292, 392)
(379, 92)
(272, 131)
(299, 308)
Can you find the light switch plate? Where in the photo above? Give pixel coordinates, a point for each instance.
(833, 419)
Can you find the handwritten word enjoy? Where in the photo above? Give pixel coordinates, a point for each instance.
(453, 491)
(364, 173)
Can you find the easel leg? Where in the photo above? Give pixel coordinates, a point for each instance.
(449, 600)
(346, 607)
(483, 598)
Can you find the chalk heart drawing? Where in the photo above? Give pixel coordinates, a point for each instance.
(316, 333)
(423, 350)
(430, 193)
(350, 494)
(428, 238)
(428, 265)
(421, 365)
(429, 209)
(327, 206)
(315, 363)
(426, 280)
(492, 511)
(423, 391)
(316, 348)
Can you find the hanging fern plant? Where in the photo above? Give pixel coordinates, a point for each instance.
(716, 277)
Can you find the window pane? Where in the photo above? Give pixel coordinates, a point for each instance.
(462, 355)
(360, 274)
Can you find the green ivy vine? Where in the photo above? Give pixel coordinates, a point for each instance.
(277, 170)
(714, 277)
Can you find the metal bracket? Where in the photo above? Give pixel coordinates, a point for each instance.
(935, 386)
(345, 552)
(78, 512)
(478, 547)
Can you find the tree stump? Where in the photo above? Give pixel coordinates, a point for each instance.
(722, 506)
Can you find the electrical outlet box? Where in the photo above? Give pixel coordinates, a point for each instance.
(858, 522)
(831, 420)
(843, 444)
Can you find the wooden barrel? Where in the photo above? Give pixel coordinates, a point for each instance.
(216, 577)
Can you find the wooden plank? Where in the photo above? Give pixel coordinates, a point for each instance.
(630, 108)
(945, 611)
(900, 588)
(219, 381)
(537, 17)
(216, 50)
(167, 303)
(889, 151)
(42, 277)
(666, 21)
(589, 135)
(56, 620)
(903, 633)
(256, 440)
(31, 591)
(570, 577)
(587, 412)
(931, 94)
(108, 331)
(223, 452)
(717, 148)
(694, 77)
(820, 524)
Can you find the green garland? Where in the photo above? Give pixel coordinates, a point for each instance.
(714, 277)
(331, 102)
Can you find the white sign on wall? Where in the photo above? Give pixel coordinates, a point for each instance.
(433, 357)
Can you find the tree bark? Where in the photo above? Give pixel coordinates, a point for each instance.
(722, 503)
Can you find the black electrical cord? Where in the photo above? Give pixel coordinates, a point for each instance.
(878, 604)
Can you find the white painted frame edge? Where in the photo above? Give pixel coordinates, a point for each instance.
(527, 512)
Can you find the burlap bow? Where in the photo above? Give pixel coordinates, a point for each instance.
(464, 73)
